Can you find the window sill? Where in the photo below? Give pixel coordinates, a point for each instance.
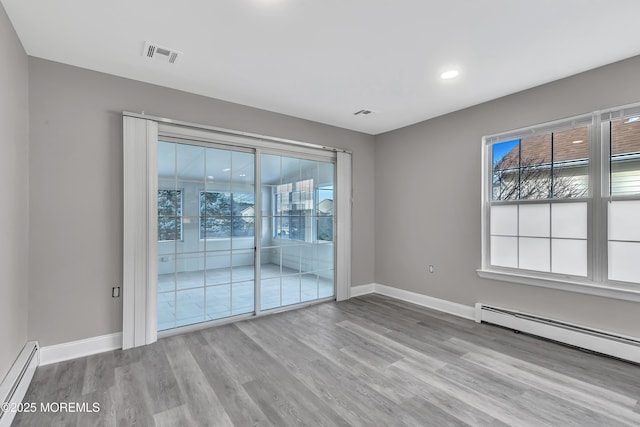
(622, 292)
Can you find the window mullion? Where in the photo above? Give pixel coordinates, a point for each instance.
(599, 169)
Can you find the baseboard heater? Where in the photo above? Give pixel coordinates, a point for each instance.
(14, 386)
(608, 343)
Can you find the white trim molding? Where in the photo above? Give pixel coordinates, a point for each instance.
(15, 384)
(80, 348)
(445, 306)
(585, 287)
(342, 236)
(356, 291)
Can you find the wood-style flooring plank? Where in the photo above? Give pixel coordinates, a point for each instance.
(203, 405)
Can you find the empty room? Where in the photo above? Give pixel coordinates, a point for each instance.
(298, 212)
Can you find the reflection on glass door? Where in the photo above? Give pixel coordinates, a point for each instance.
(206, 229)
(297, 231)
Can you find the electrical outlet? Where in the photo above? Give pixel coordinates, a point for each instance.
(115, 292)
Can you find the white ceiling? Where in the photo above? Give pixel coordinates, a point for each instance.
(323, 60)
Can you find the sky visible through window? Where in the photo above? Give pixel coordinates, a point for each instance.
(325, 194)
(502, 149)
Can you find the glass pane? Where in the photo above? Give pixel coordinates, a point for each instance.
(218, 174)
(534, 254)
(215, 228)
(326, 174)
(213, 203)
(624, 220)
(535, 167)
(569, 257)
(166, 273)
(169, 214)
(571, 163)
(169, 228)
(169, 203)
(290, 289)
(270, 263)
(167, 161)
(270, 169)
(325, 228)
(269, 293)
(218, 301)
(290, 172)
(242, 167)
(243, 232)
(290, 260)
(242, 297)
(190, 307)
(505, 161)
(309, 287)
(218, 270)
(190, 270)
(569, 220)
(625, 156)
(308, 255)
(166, 310)
(324, 256)
(504, 220)
(504, 251)
(534, 220)
(242, 263)
(623, 261)
(325, 284)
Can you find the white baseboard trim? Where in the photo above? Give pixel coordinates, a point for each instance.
(15, 384)
(356, 291)
(460, 310)
(74, 349)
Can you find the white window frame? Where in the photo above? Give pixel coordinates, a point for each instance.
(596, 282)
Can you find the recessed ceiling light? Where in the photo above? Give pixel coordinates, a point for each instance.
(449, 74)
(226, 169)
(243, 174)
(578, 141)
(210, 177)
(632, 119)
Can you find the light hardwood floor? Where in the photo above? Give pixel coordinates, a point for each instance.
(370, 361)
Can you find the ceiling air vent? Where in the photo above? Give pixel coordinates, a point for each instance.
(363, 112)
(161, 53)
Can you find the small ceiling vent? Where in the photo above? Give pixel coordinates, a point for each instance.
(161, 53)
(363, 112)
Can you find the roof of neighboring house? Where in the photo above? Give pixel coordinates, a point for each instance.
(536, 149)
(326, 206)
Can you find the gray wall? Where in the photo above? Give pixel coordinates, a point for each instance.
(14, 167)
(427, 183)
(76, 188)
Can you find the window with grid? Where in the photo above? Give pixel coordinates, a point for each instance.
(293, 204)
(224, 214)
(621, 135)
(169, 215)
(562, 200)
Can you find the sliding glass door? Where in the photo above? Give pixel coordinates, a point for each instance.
(207, 246)
(297, 257)
(206, 233)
